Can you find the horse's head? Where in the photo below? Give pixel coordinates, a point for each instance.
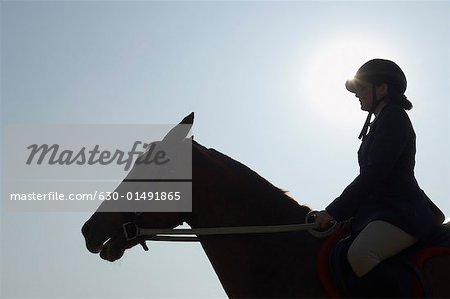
(103, 232)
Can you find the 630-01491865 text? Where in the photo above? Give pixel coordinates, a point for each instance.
(98, 195)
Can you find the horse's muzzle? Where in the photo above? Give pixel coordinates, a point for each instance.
(91, 245)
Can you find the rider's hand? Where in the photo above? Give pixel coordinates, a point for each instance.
(324, 219)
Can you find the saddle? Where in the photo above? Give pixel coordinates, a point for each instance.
(338, 278)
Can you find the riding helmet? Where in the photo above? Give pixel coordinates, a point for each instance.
(377, 71)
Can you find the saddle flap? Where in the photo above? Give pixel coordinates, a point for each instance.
(337, 276)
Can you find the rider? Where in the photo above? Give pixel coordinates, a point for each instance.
(388, 209)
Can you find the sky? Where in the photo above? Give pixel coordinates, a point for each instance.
(266, 82)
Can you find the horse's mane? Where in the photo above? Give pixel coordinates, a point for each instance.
(245, 185)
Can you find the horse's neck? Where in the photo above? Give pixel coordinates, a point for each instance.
(263, 265)
(228, 193)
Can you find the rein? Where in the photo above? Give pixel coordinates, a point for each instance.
(133, 231)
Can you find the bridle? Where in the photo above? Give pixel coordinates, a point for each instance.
(132, 230)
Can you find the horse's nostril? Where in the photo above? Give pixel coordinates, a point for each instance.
(85, 230)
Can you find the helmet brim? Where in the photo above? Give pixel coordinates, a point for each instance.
(352, 84)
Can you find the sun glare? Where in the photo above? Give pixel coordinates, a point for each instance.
(328, 69)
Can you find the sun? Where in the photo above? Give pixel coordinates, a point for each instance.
(327, 70)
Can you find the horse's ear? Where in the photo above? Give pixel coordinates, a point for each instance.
(188, 120)
(180, 131)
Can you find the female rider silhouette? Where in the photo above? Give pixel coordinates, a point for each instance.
(385, 202)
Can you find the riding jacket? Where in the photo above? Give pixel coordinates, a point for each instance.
(386, 188)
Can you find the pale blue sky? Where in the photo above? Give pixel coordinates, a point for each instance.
(266, 81)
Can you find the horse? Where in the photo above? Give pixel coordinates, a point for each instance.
(226, 193)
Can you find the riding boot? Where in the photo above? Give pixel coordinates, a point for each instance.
(380, 282)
